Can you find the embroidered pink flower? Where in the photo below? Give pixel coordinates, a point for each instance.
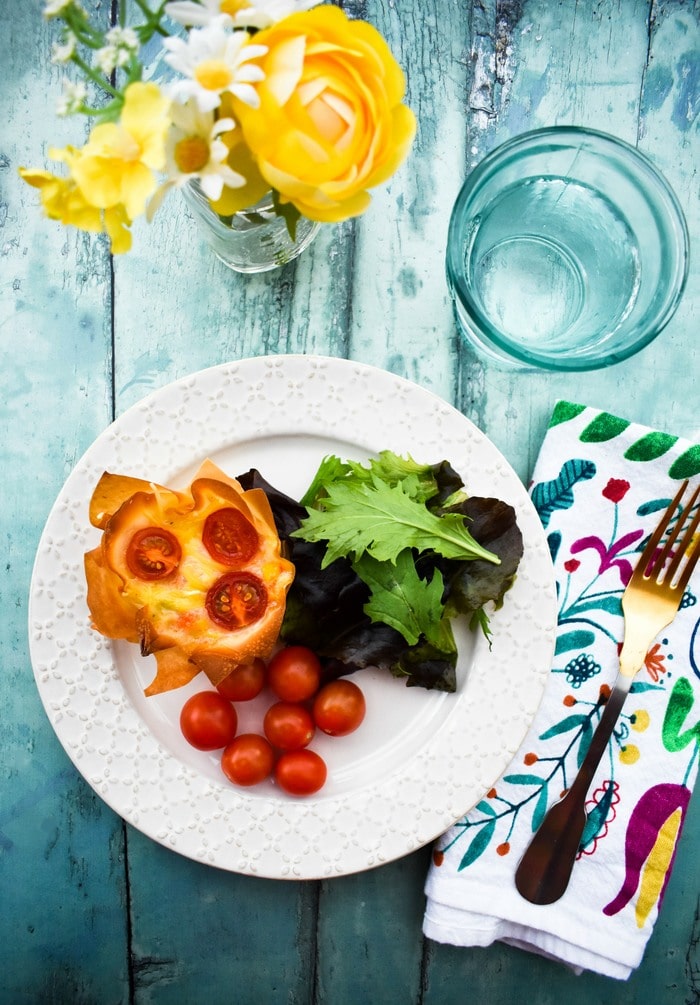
(609, 556)
(616, 489)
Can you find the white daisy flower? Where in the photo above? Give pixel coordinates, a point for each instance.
(243, 13)
(194, 150)
(213, 60)
(72, 98)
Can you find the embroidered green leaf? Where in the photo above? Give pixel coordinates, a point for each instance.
(646, 509)
(478, 845)
(565, 726)
(486, 807)
(586, 734)
(558, 493)
(598, 815)
(554, 544)
(540, 808)
(680, 703)
(687, 465)
(639, 686)
(604, 427)
(611, 604)
(649, 447)
(564, 411)
(574, 640)
(523, 779)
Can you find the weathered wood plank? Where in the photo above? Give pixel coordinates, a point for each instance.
(62, 923)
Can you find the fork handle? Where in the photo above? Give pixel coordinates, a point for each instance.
(543, 873)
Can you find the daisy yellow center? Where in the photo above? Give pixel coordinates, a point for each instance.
(232, 7)
(213, 75)
(191, 154)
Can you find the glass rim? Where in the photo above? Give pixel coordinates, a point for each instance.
(672, 213)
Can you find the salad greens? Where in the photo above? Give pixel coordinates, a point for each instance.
(386, 554)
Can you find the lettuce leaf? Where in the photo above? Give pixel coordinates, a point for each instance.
(385, 595)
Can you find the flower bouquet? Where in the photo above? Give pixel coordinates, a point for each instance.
(276, 98)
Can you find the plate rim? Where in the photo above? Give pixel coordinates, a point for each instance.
(377, 845)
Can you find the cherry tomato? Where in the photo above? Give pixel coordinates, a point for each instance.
(339, 708)
(300, 772)
(236, 600)
(229, 537)
(208, 721)
(294, 673)
(153, 553)
(245, 681)
(288, 726)
(248, 759)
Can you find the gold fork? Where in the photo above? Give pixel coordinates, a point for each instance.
(649, 603)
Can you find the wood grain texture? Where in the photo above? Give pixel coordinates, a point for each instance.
(94, 912)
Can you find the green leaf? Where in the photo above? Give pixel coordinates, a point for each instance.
(401, 599)
(558, 493)
(574, 640)
(613, 605)
(523, 779)
(586, 736)
(478, 845)
(382, 520)
(486, 808)
(288, 211)
(687, 465)
(567, 724)
(598, 815)
(331, 469)
(540, 807)
(564, 411)
(650, 446)
(604, 427)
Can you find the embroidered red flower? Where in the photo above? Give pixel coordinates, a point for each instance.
(616, 489)
(654, 663)
(572, 565)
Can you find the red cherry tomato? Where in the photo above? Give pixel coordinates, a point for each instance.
(294, 673)
(339, 708)
(236, 600)
(153, 553)
(208, 721)
(229, 537)
(244, 682)
(288, 726)
(248, 759)
(300, 772)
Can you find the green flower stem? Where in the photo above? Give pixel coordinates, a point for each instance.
(97, 78)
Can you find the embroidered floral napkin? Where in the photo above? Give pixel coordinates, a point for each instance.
(599, 485)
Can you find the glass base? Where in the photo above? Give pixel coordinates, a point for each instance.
(253, 240)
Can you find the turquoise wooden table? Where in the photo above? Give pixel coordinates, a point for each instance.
(92, 910)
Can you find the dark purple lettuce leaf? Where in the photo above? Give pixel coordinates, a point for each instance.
(325, 609)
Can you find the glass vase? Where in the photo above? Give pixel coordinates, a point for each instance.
(252, 240)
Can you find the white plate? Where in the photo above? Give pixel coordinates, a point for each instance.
(420, 759)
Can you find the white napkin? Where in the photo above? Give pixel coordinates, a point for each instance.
(600, 484)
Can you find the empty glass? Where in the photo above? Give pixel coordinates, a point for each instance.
(567, 250)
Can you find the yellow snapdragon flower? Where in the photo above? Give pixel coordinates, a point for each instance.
(117, 164)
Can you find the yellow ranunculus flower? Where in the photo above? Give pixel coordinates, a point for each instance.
(330, 123)
(116, 166)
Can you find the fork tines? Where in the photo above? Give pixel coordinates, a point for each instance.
(653, 564)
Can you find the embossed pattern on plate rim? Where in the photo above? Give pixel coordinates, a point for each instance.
(170, 432)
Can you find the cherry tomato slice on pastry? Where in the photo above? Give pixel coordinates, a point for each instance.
(153, 553)
(236, 600)
(229, 537)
